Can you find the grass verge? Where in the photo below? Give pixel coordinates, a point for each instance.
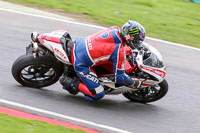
(9, 124)
(172, 20)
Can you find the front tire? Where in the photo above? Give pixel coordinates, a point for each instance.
(36, 72)
(145, 96)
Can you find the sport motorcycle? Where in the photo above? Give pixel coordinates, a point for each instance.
(48, 57)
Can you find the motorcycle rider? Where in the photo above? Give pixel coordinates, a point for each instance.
(106, 45)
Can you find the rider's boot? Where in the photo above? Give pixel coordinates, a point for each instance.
(70, 84)
(136, 83)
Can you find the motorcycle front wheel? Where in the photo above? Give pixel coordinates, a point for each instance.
(150, 94)
(36, 72)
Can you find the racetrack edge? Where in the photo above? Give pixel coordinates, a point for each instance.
(29, 116)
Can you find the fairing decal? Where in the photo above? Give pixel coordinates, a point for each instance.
(155, 71)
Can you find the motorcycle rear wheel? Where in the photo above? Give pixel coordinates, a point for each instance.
(145, 97)
(36, 72)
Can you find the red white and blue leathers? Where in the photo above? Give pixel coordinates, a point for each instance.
(97, 49)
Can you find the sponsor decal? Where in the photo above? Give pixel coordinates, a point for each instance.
(158, 72)
(60, 53)
(148, 83)
(104, 35)
(90, 77)
(48, 38)
(89, 44)
(127, 37)
(134, 31)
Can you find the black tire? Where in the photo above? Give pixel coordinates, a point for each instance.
(158, 95)
(45, 71)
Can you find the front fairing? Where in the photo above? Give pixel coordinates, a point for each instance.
(152, 64)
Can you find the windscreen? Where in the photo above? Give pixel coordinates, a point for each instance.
(153, 61)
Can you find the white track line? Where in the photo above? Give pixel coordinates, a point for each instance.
(172, 43)
(61, 20)
(95, 26)
(63, 116)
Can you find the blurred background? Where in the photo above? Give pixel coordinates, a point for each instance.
(172, 20)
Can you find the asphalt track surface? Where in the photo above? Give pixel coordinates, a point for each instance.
(178, 112)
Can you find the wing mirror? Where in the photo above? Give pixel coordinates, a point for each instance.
(34, 36)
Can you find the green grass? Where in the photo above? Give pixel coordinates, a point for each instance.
(172, 20)
(9, 124)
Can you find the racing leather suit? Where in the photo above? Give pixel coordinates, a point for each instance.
(94, 50)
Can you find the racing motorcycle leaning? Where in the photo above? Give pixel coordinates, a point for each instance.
(45, 61)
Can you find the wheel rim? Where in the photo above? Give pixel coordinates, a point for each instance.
(146, 94)
(38, 75)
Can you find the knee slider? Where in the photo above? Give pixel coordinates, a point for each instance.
(94, 98)
(100, 95)
(97, 96)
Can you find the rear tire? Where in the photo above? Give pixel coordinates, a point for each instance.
(36, 72)
(135, 97)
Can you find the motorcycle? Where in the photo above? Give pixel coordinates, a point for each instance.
(48, 57)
